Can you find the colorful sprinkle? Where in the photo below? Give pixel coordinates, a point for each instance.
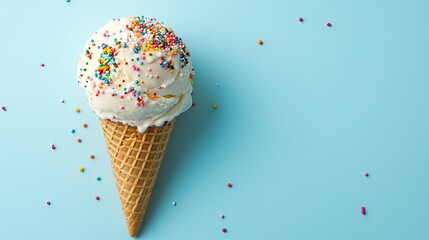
(260, 42)
(97, 198)
(224, 230)
(62, 101)
(81, 169)
(72, 130)
(48, 203)
(85, 125)
(91, 156)
(300, 19)
(222, 216)
(194, 104)
(3, 108)
(329, 24)
(52, 146)
(79, 140)
(366, 174)
(98, 178)
(77, 110)
(214, 106)
(174, 203)
(42, 64)
(363, 210)
(229, 185)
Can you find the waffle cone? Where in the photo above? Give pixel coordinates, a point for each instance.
(136, 158)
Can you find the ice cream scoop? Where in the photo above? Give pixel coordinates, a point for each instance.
(137, 71)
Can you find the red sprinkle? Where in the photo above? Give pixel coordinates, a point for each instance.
(328, 24)
(194, 104)
(42, 64)
(300, 19)
(224, 230)
(97, 198)
(229, 185)
(3, 108)
(362, 210)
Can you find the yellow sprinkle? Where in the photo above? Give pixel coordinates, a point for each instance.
(81, 169)
(77, 110)
(214, 105)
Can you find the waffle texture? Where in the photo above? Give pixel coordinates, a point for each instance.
(136, 158)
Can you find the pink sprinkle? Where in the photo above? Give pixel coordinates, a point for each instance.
(157, 76)
(194, 104)
(362, 210)
(48, 203)
(224, 230)
(3, 108)
(42, 64)
(366, 174)
(328, 24)
(122, 107)
(300, 19)
(53, 146)
(97, 198)
(113, 117)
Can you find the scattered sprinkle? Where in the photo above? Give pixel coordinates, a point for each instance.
(78, 140)
(97, 198)
(329, 24)
(224, 230)
(91, 156)
(62, 100)
(366, 174)
(42, 64)
(229, 185)
(174, 203)
(3, 108)
(214, 106)
(222, 216)
(217, 84)
(363, 210)
(52, 146)
(98, 178)
(72, 130)
(260, 42)
(300, 19)
(77, 110)
(194, 104)
(48, 203)
(68, 1)
(85, 125)
(81, 169)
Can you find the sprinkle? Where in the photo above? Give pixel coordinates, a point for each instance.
(81, 169)
(3, 108)
(48, 203)
(224, 230)
(42, 64)
(72, 130)
(85, 125)
(329, 24)
(366, 174)
(62, 101)
(91, 156)
(67, 0)
(97, 198)
(222, 216)
(52, 146)
(214, 105)
(217, 84)
(229, 185)
(78, 140)
(77, 110)
(174, 203)
(98, 178)
(300, 19)
(260, 42)
(194, 104)
(363, 210)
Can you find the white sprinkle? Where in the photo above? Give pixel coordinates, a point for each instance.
(61, 100)
(174, 203)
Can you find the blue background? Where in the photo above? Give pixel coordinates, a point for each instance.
(300, 119)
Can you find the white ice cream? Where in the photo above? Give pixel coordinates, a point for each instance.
(136, 71)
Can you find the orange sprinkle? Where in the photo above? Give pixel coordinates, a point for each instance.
(171, 71)
(229, 185)
(78, 140)
(260, 42)
(85, 125)
(91, 156)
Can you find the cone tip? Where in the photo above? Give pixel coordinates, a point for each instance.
(133, 232)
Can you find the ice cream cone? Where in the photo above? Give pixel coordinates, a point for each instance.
(136, 158)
